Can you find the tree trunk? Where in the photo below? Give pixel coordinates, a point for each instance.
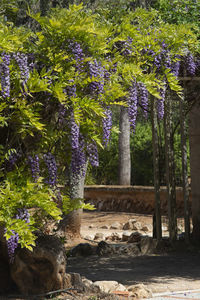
(194, 135)
(71, 223)
(124, 148)
(184, 170)
(157, 216)
(170, 180)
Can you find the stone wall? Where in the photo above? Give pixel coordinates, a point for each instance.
(137, 199)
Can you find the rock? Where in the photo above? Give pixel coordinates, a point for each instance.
(129, 225)
(115, 236)
(137, 226)
(125, 236)
(140, 291)
(87, 282)
(105, 249)
(41, 270)
(135, 237)
(115, 225)
(164, 228)
(88, 237)
(109, 286)
(148, 245)
(131, 249)
(147, 228)
(82, 249)
(76, 281)
(91, 226)
(99, 236)
(5, 277)
(104, 227)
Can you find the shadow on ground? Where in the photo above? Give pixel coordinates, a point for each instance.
(129, 270)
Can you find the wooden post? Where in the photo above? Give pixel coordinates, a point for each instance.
(156, 168)
(170, 180)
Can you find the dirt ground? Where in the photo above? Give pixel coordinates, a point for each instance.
(174, 271)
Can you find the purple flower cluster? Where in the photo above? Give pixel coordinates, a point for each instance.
(107, 125)
(71, 89)
(13, 157)
(12, 242)
(127, 47)
(160, 104)
(77, 51)
(92, 152)
(143, 93)
(190, 64)
(96, 71)
(23, 214)
(176, 66)
(50, 162)
(132, 105)
(75, 131)
(78, 159)
(22, 61)
(5, 75)
(35, 166)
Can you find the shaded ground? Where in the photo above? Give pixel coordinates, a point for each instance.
(161, 273)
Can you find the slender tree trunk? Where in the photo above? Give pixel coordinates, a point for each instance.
(124, 148)
(170, 180)
(71, 223)
(184, 170)
(156, 169)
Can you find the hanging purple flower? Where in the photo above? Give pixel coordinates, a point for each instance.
(12, 242)
(190, 64)
(5, 75)
(50, 162)
(78, 159)
(35, 167)
(93, 154)
(160, 104)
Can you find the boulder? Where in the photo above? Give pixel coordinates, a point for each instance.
(82, 249)
(125, 236)
(109, 286)
(116, 225)
(129, 225)
(104, 227)
(88, 237)
(148, 245)
(99, 236)
(164, 228)
(41, 270)
(137, 226)
(115, 236)
(135, 237)
(147, 228)
(6, 283)
(91, 226)
(140, 291)
(105, 249)
(131, 249)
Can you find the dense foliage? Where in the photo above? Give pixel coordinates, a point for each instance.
(59, 82)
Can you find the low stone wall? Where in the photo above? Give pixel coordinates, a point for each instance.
(137, 199)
